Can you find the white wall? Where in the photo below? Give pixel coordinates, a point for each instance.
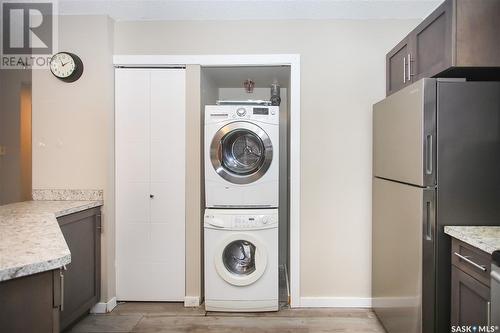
(73, 125)
(342, 75)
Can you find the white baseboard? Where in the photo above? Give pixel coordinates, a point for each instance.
(191, 301)
(104, 307)
(335, 302)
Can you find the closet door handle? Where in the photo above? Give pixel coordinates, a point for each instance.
(151, 196)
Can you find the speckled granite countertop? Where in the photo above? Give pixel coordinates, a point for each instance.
(484, 238)
(30, 238)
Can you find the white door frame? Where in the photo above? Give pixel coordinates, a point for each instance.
(292, 60)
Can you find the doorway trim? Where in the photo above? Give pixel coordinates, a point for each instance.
(228, 60)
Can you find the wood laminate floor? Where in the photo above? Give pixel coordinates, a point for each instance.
(174, 318)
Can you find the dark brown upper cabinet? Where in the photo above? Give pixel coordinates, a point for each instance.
(459, 39)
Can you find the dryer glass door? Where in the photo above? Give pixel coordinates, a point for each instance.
(241, 152)
(241, 259)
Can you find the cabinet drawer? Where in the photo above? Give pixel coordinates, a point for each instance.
(471, 260)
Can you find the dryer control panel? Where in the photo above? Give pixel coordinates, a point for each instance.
(240, 221)
(218, 113)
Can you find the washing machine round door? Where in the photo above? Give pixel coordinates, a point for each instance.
(241, 152)
(240, 259)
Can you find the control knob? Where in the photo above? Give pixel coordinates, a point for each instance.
(241, 112)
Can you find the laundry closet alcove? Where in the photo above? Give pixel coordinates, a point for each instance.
(192, 179)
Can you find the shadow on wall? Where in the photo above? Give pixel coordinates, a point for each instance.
(15, 135)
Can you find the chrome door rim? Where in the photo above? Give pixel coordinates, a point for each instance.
(216, 152)
(260, 260)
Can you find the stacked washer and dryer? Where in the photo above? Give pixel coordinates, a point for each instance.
(241, 216)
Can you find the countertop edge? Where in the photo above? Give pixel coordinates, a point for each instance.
(88, 205)
(10, 273)
(466, 238)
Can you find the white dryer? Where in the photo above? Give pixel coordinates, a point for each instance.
(241, 260)
(241, 156)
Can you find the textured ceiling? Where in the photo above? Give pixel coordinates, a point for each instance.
(125, 10)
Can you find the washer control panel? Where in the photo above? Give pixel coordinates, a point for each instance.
(240, 221)
(252, 221)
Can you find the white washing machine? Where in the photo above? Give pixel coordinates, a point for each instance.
(241, 156)
(241, 260)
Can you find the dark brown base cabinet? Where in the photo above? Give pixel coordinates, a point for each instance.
(31, 303)
(459, 39)
(470, 286)
(82, 232)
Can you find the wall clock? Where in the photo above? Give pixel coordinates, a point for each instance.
(66, 66)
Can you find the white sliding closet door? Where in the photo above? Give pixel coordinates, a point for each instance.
(150, 184)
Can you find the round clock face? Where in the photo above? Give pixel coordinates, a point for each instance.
(62, 65)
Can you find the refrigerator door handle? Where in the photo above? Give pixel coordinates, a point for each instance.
(429, 154)
(429, 221)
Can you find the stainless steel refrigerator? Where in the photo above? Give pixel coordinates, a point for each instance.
(436, 162)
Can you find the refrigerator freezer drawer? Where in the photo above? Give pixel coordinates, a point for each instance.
(403, 257)
(404, 135)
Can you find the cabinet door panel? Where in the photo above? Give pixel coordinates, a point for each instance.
(477, 33)
(469, 300)
(397, 67)
(431, 44)
(82, 277)
(27, 304)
